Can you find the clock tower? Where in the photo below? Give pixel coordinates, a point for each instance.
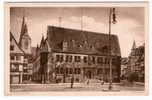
(25, 40)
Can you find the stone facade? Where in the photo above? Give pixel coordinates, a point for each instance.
(65, 53)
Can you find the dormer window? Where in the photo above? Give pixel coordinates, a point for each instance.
(92, 48)
(80, 46)
(73, 44)
(105, 49)
(85, 45)
(65, 46)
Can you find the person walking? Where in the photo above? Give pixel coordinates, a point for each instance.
(88, 82)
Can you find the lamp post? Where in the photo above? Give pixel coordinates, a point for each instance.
(72, 78)
(112, 19)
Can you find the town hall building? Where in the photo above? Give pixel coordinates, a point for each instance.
(67, 53)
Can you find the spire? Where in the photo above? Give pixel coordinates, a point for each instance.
(42, 41)
(24, 27)
(24, 30)
(23, 23)
(37, 47)
(134, 45)
(37, 51)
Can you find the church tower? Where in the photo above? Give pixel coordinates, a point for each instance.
(25, 40)
(133, 57)
(133, 48)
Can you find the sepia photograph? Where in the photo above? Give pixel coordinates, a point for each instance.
(76, 48)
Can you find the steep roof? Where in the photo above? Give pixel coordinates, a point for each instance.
(96, 43)
(13, 42)
(24, 31)
(134, 45)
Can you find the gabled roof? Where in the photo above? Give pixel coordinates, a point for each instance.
(16, 45)
(97, 43)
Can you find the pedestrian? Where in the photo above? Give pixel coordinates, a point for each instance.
(88, 82)
(72, 81)
(102, 82)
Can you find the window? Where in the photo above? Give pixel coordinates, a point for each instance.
(25, 70)
(65, 46)
(106, 61)
(71, 70)
(89, 60)
(99, 71)
(113, 61)
(70, 58)
(18, 58)
(25, 57)
(107, 71)
(12, 57)
(57, 58)
(85, 59)
(105, 49)
(12, 47)
(66, 70)
(77, 71)
(67, 57)
(14, 68)
(77, 58)
(93, 60)
(61, 71)
(61, 58)
(26, 44)
(99, 60)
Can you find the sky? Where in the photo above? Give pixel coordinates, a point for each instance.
(129, 26)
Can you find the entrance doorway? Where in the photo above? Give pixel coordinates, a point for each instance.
(89, 74)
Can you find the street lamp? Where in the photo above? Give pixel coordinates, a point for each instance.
(112, 19)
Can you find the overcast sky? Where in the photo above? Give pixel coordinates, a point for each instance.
(129, 26)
